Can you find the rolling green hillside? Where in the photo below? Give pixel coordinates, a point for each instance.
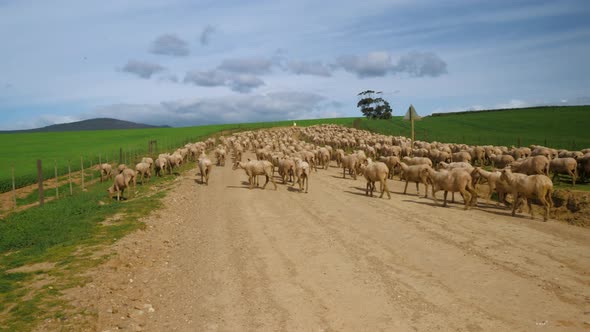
(557, 127)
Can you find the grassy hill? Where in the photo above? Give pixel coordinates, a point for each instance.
(90, 124)
(557, 127)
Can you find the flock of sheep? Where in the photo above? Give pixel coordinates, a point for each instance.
(294, 152)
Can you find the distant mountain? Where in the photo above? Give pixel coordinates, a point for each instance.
(91, 124)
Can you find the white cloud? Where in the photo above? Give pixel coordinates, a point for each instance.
(229, 109)
(170, 44)
(141, 68)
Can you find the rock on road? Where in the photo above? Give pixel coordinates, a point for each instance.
(226, 258)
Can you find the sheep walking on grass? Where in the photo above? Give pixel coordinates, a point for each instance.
(144, 170)
(567, 166)
(106, 172)
(121, 182)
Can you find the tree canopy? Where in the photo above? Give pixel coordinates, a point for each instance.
(374, 108)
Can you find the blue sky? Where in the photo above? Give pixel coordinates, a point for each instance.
(187, 62)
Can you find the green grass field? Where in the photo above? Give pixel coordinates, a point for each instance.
(23, 150)
(557, 127)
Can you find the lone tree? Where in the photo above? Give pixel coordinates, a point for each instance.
(374, 108)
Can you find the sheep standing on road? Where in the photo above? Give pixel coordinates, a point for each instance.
(415, 173)
(528, 187)
(454, 180)
(302, 171)
(373, 172)
(253, 168)
(205, 167)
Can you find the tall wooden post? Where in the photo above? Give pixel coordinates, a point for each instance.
(40, 180)
(56, 179)
(13, 188)
(100, 166)
(82, 171)
(70, 178)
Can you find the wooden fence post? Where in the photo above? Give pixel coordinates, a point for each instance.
(82, 171)
(70, 177)
(100, 166)
(91, 170)
(40, 180)
(13, 188)
(56, 179)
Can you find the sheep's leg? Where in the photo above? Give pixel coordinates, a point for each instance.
(445, 198)
(386, 189)
(367, 188)
(417, 189)
(530, 206)
(273, 182)
(465, 200)
(306, 183)
(573, 177)
(515, 203)
(406, 187)
(344, 172)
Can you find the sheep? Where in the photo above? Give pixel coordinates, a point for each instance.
(495, 184)
(477, 154)
(417, 161)
(131, 175)
(254, 168)
(351, 163)
(148, 160)
(415, 173)
(220, 156)
(501, 161)
(375, 171)
(339, 155)
(205, 167)
(120, 168)
(160, 166)
(564, 166)
(584, 166)
(453, 165)
(302, 171)
(324, 158)
(174, 160)
(529, 186)
(454, 180)
(286, 169)
(532, 165)
(391, 163)
(143, 169)
(105, 171)
(461, 156)
(120, 183)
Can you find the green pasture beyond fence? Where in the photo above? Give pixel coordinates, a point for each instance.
(20, 151)
(557, 127)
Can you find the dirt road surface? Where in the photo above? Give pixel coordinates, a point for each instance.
(226, 258)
